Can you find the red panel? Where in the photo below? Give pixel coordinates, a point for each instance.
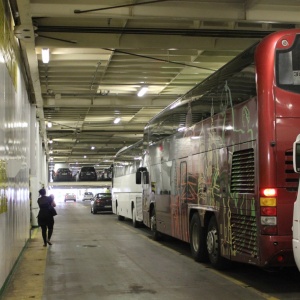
(272, 103)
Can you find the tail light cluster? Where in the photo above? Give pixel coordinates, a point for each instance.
(268, 211)
(100, 201)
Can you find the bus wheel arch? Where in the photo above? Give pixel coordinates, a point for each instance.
(198, 238)
(120, 218)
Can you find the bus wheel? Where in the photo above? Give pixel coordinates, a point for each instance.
(197, 240)
(156, 235)
(135, 223)
(213, 246)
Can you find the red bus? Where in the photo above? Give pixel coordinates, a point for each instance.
(217, 167)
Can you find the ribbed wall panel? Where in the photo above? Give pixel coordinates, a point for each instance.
(244, 235)
(242, 174)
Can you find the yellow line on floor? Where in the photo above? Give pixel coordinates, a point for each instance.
(27, 281)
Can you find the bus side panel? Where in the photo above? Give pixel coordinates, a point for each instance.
(138, 205)
(162, 200)
(238, 220)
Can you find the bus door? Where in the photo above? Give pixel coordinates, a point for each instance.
(183, 203)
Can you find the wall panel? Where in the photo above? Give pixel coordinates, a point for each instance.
(14, 151)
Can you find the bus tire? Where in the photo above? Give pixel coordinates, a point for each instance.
(213, 246)
(155, 234)
(198, 240)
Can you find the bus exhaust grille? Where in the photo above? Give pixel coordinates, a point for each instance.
(242, 173)
(244, 235)
(291, 178)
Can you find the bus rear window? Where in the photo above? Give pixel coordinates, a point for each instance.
(288, 67)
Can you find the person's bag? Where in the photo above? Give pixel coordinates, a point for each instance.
(52, 210)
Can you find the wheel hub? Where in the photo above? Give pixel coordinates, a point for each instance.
(212, 242)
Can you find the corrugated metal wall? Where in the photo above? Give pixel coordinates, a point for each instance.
(19, 141)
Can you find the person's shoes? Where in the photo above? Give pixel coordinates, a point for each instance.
(45, 245)
(49, 243)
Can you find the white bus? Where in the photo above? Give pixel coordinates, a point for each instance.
(296, 213)
(126, 194)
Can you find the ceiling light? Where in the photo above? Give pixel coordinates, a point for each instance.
(45, 55)
(117, 120)
(142, 91)
(49, 124)
(50, 141)
(92, 148)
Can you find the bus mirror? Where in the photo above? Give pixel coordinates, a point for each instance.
(138, 177)
(296, 155)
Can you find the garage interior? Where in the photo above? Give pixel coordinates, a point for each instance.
(101, 53)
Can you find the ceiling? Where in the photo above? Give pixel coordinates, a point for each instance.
(103, 52)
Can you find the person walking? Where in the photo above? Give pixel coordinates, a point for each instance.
(45, 215)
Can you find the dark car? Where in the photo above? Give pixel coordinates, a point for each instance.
(101, 202)
(87, 173)
(63, 174)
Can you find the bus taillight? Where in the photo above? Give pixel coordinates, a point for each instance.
(269, 192)
(268, 211)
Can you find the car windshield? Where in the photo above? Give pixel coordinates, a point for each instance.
(88, 169)
(88, 193)
(104, 195)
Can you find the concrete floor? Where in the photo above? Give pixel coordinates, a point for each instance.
(98, 257)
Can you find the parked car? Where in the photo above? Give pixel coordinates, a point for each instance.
(101, 202)
(63, 174)
(87, 173)
(70, 197)
(87, 196)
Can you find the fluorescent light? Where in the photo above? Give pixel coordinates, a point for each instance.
(45, 55)
(117, 120)
(49, 124)
(142, 91)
